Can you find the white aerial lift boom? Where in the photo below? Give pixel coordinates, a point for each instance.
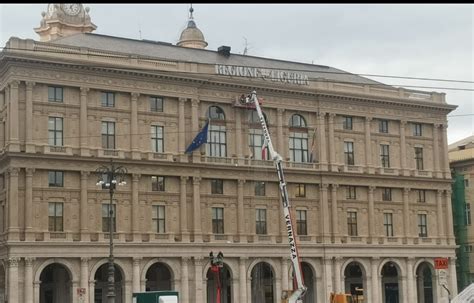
(301, 289)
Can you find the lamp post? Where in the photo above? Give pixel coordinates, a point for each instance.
(113, 175)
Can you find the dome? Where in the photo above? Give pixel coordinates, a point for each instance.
(191, 35)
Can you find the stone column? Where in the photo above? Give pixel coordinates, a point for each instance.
(7, 118)
(280, 137)
(85, 236)
(242, 279)
(134, 126)
(195, 126)
(284, 274)
(136, 274)
(84, 140)
(184, 295)
(368, 149)
(453, 283)
(371, 214)
(332, 149)
(410, 280)
(322, 141)
(29, 236)
(324, 213)
(14, 117)
(85, 277)
(439, 213)
(238, 133)
(135, 206)
(375, 280)
(403, 148)
(334, 214)
(13, 279)
(13, 228)
(327, 277)
(337, 275)
(30, 146)
(437, 171)
(449, 217)
(406, 214)
(444, 137)
(241, 211)
(183, 220)
(197, 232)
(198, 261)
(181, 129)
(404, 289)
(28, 285)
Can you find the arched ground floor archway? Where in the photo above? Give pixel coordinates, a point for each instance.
(101, 284)
(223, 278)
(55, 286)
(262, 284)
(159, 277)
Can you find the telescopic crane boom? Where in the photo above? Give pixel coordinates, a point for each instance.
(301, 289)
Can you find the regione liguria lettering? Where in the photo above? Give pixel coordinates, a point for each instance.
(262, 73)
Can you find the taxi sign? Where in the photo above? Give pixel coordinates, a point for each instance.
(441, 263)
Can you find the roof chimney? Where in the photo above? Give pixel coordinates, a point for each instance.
(224, 50)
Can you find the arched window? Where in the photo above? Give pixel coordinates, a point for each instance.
(298, 139)
(217, 139)
(256, 138)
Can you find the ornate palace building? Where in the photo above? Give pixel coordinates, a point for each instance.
(366, 165)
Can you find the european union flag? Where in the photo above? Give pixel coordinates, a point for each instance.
(199, 140)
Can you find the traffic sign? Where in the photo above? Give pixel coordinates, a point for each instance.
(441, 263)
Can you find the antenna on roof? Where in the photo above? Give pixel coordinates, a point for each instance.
(246, 48)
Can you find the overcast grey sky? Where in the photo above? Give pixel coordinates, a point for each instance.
(413, 40)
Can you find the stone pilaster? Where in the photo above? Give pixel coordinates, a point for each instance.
(135, 206)
(136, 274)
(406, 214)
(281, 138)
(28, 285)
(85, 277)
(13, 228)
(371, 214)
(334, 214)
(85, 236)
(184, 295)
(322, 141)
(181, 129)
(13, 279)
(197, 232)
(14, 117)
(324, 213)
(242, 279)
(436, 154)
(29, 145)
(403, 149)
(368, 149)
(332, 146)
(29, 235)
(183, 212)
(84, 139)
(240, 211)
(134, 126)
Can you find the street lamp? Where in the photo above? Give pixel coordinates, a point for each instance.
(113, 175)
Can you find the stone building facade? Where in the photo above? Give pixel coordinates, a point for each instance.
(367, 167)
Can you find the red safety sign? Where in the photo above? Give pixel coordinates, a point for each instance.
(441, 263)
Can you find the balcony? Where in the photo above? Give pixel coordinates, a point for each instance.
(160, 156)
(107, 153)
(53, 149)
(388, 171)
(422, 173)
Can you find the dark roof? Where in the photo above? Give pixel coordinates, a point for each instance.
(166, 51)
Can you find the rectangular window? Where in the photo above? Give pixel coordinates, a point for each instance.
(259, 188)
(108, 135)
(217, 186)
(298, 143)
(386, 194)
(466, 182)
(419, 158)
(383, 126)
(352, 223)
(156, 104)
(347, 122)
(105, 218)
(468, 213)
(300, 190)
(157, 183)
(385, 155)
(55, 178)
(55, 214)
(55, 94)
(301, 228)
(351, 193)
(422, 226)
(216, 141)
(158, 218)
(55, 131)
(388, 224)
(157, 144)
(417, 129)
(108, 99)
(349, 153)
(256, 141)
(421, 195)
(261, 221)
(217, 220)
